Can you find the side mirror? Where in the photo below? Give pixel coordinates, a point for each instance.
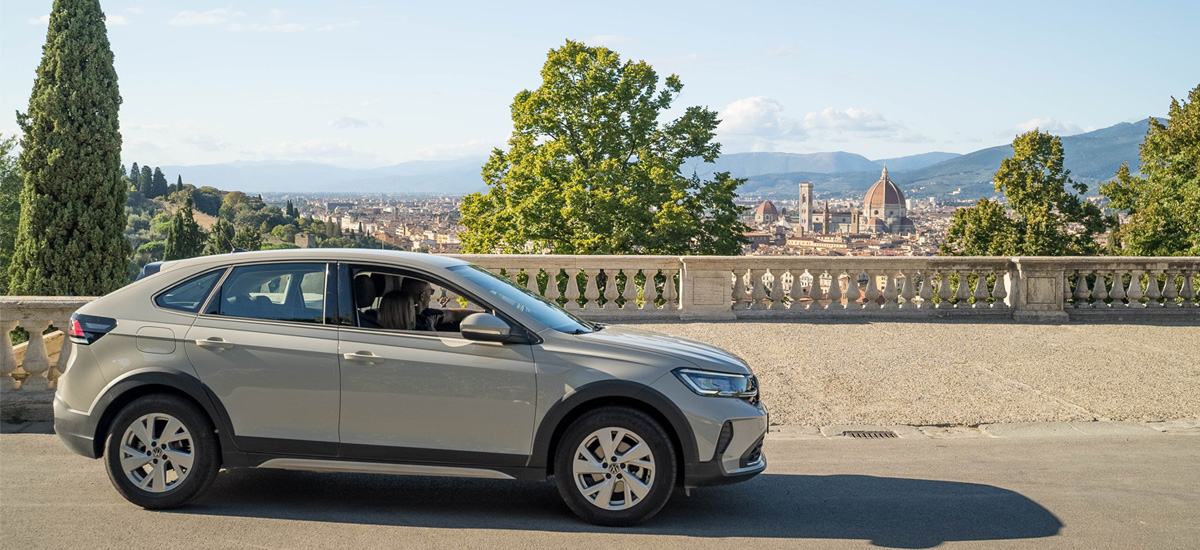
(485, 328)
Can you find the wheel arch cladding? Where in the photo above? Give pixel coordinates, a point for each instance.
(143, 383)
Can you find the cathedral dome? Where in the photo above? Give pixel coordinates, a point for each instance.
(884, 193)
(766, 209)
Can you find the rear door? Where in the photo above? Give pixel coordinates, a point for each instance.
(432, 396)
(265, 349)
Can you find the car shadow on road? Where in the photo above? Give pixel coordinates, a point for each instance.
(890, 512)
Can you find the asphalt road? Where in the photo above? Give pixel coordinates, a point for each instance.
(1040, 492)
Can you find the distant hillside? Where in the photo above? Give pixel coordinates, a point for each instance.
(913, 162)
(1092, 158)
(453, 177)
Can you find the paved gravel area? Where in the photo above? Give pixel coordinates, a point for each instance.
(955, 373)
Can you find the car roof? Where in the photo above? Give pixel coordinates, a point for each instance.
(393, 257)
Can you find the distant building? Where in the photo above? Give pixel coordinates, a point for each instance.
(306, 240)
(884, 211)
(766, 213)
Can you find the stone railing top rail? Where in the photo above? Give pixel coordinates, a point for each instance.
(34, 308)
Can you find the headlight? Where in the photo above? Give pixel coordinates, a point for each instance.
(719, 384)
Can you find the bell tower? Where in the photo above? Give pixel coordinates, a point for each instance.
(806, 206)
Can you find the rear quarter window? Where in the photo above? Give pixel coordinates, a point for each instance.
(189, 295)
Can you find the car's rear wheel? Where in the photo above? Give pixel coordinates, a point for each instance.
(615, 466)
(161, 452)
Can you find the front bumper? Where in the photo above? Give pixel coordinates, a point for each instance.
(75, 429)
(738, 457)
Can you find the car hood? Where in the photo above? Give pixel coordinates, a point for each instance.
(698, 354)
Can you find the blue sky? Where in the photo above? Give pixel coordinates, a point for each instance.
(371, 84)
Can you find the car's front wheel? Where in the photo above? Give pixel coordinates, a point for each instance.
(615, 466)
(162, 452)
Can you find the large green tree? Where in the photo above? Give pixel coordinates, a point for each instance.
(1046, 219)
(248, 238)
(158, 185)
(185, 239)
(591, 170)
(1164, 200)
(70, 240)
(147, 180)
(220, 239)
(10, 205)
(135, 177)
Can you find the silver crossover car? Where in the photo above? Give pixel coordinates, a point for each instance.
(394, 363)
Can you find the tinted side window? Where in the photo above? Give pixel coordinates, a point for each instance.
(189, 295)
(277, 292)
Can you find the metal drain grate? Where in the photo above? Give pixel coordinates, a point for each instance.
(883, 434)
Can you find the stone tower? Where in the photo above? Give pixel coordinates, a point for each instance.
(806, 206)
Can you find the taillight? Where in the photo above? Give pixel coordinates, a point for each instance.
(86, 329)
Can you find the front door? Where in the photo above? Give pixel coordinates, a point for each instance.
(419, 391)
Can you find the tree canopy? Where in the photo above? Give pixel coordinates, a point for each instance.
(1046, 220)
(71, 241)
(10, 206)
(591, 170)
(1164, 200)
(185, 239)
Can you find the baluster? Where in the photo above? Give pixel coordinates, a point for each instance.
(835, 291)
(1118, 290)
(8, 360)
(531, 283)
(512, 273)
(998, 291)
(853, 294)
(758, 294)
(671, 295)
(872, 290)
(926, 292)
(1082, 292)
(908, 289)
(1135, 289)
(1099, 290)
(1152, 291)
(631, 292)
(572, 288)
(590, 291)
(1187, 292)
(943, 290)
(981, 290)
(889, 291)
(739, 289)
(806, 292)
(552, 291)
(37, 360)
(1170, 292)
(964, 289)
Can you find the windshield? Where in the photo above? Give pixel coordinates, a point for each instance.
(520, 299)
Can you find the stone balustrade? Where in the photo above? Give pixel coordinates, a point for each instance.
(627, 288)
(35, 314)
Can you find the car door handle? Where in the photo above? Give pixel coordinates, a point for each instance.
(363, 357)
(214, 343)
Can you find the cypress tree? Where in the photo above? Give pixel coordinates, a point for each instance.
(135, 177)
(185, 239)
(159, 186)
(70, 241)
(220, 240)
(179, 183)
(147, 186)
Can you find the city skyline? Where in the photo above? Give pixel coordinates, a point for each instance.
(366, 86)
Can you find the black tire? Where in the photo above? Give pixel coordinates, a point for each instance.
(202, 446)
(662, 475)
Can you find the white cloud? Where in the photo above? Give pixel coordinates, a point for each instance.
(1051, 125)
(760, 117)
(334, 26)
(116, 20)
(211, 17)
(257, 27)
(43, 20)
(344, 122)
(841, 124)
(447, 151)
(782, 50)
